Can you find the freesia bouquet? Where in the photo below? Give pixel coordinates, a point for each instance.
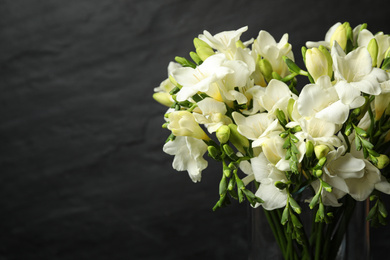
(323, 147)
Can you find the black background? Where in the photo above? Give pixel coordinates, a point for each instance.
(82, 172)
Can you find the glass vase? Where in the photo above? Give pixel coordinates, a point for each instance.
(355, 244)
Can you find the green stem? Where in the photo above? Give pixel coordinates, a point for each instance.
(274, 230)
(280, 233)
(318, 241)
(342, 228)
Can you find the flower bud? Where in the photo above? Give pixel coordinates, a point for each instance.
(163, 98)
(318, 173)
(321, 151)
(280, 185)
(316, 63)
(195, 57)
(266, 69)
(309, 148)
(213, 152)
(372, 48)
(182, 123)
(328, 59)
(383, 161)
(223, 134)
(238, 140)
(203, 49)
(340, 36)
(290, 108)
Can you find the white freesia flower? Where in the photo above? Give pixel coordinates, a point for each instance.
(224, 42)
(318, 131)
(266, 46)
(182, 123)
(382, 40)
(352, 174)
(355, 74)
(202, 77)
(382, 101)
(188, 154)
(213, 114)
(276, 96)
(326, 42)
(256, 126)
(267, 174)
(238, 78)
(320, 100)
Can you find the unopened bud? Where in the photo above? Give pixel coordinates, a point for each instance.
(195, 57)
(340, 36)
(213, 152)
(223, 134)
(309, 148)
(238, 140)
(321, 162)
(318, 173)
(328, 59)
(163, 98)
(290, 107)
(316, 63)
(372, 48)
(383, 161)
(280, 185)
(203, 49)
(321, 151)
(266, 69)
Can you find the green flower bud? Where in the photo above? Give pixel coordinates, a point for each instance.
(309, 148)
(163, 98)
(318, 173)
(328, 59)
(195, 57)
(223, 134)
(203, 49)
(238, 140)
(316, 63)
(213, 152)
(321, 162)
(280, 185)
(372, 48)
(321, 151)
(266, 69)
(290, 108)
(303, 50)
(340, 36)
(383, 161)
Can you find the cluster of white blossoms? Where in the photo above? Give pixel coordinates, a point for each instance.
(237, 102)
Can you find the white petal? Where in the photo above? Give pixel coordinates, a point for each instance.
(346, 92)
(336, 113)
(383, 185)
(272, 196)
(260, 167)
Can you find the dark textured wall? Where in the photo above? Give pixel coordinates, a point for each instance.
(82, 172)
